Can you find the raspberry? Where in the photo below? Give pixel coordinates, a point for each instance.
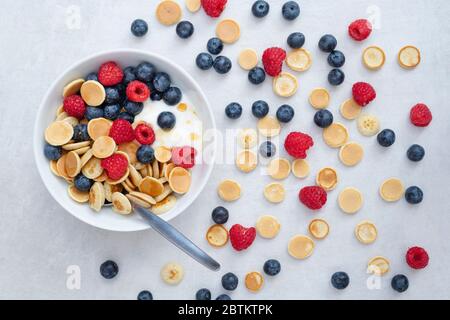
(360, 29)
(121, 131)
(273, 59)
(137, 91)
(144, 134)
(297, 143)
(363, 93)
(313, 197)
(214, 8)
(74, 106)
(116, 166)
(417, 258)
(241, 238)
(420, 115)
(184, 156)
(110, 74)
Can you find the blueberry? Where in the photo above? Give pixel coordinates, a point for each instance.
(336, 59)
(166, 120)
(162, 81)
(230, 281)
(285, 113)
(233, 110)
(336, 77)
(122, 90)
(260, 9)
(139, 28)
(172, 96)
(386, 138)
(290, 10)
(223, 297)
(340, 280)
(203, 294)
(296, 40)
(222, 64)
(156, 96)
(145, 72)
(415, 153)
(204, 61)
(109, 269)
(185, 29)
(220, 215)
(82, 183)
(267, 149)
(92, 76)
(126, 116)
(272, 267)
(112, 95)
(112, 111)
(327, 43)
(260, 109)
(323, 118)
(257, 75)
(400, 283)
(145, 295)
(214, 46)
(133, 108)
(80, 133)
(414, 195)
(129, 74)
(52, 152)
(145, 154)
(93, 113)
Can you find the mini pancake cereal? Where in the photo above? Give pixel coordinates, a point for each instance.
(229, 190)
(285, 84)
(164, 205)
(76, 195)
(350, 110)
(151, 186)
(76, 145)
(248, 59)
(319, 98)
(373, 57)
(299, 60)
(269, 127)
(392, 190)
(168, 12)
(300, 168)
(97, 196)
(268, 227)
(92, 169)
(254, 281)
(93, 93)
(58, 133)
(228, 31)
(301, 247)
(351, 154)
(163, 154)
(217, 236)
(98, 127)
(409, 57)
(193, 5)
(350, 200)
(103, 147)
(366, 232)
(378, 265)
(327, 178)
(319, 228)
(274, 192)
(179, 180)
(72, 164)
(246, 161)
(336, 135)
(72, 88)
(121, 204)
(279, 169)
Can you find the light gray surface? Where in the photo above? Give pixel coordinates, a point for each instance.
(39, 240)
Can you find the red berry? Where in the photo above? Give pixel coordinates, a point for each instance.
(74, 106)
(241, 238)
(121, 131)
(110, 74)
(420, 115)
(273, 59)
(363, 93)
(116, 166)
(144, 134)
(360, 29)
(184, 156)
(313, 197)
(297, 143)
(137, 91)
(214, 8)
(417, 258)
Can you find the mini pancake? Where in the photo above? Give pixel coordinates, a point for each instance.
(77, 195)
(129, 184)
(319, 228)
(72, 164)
(327, 178)
(62, 116)
(86, 157)
(127, 187)
(163, 154)
(130, 148)
(350, 200)
(58, 133)
(168, 12)
(254, 281)
(246, 161)
(409, 57)
(228, 31)
(161, 173)
(71, 120)
(180, 180)
(110, 189)
(76, 145)
(366, 232)
(144, 197)
(164, 206)
(59, 110)
(97, 196)
(368, 125)
(229, 190)
(193, 5)
(336, 135)
(135, 176)
(351, 154)
(350, 110)
(53, 168)
(285, 84)
(61, 167)
(247, 138)
(119, 181)
(121, 204)
(168, 169)
(279, 169)
(137, 201)
(274, 192)
(93, 168)
(300, 168)
(149, 170)
(248, 59)
(82, 151)
(268, 227)
(151, 186)
(392, 190)
(373, 57)
(217, 236)
(155, 168)
(269, 127)
(102, 177)
(300, 247)
(319, 98)
(138, 165)
(98, 127)
(93, 93)
(72, 87)
(167, 191)
(378, 265)
(299, 60)
(103, 147)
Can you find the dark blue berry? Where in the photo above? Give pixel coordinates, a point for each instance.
(129, 74)
(257, 75)
(400, 283)
(109, 269)
(82, 183)
(386, 138)
(214, 46)
(139, 28)
(222, 64)
(92, 76)
(52, 152)
(260, 9)
(112, 95)
(156, 96)
(122, 90)
(290, 10)
(145, 154)
(233, 110)
(162, 81)
(336, 59)
(272, 267)
(296, 40)
(185, 29)
(223, 297)
(285, 113)
(323, 118)
(172, 96)
(93, 113)
(327, 43)
(260, 109)
(145, 295)
(204, 61)
(80, 133)
(414, 195)
(166, 120)
(203, 294)
(126, 116)
(340, 280)
(133, 108)
(230, 281)
(145, 72)
(267, 149)
(112, 111)
(220, 215)
(415, 153)
(336, 77)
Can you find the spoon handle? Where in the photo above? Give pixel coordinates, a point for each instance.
(178, 239)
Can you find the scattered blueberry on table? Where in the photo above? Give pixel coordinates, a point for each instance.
(400, 283)
(290, 10)
(145, 295)
(285, 113)
(233, 110)
(214, 46)
(260, 109)
(223, 297)
(414, 195)
(267, 149)
(327, 43)
(204, 61)
(109, 269)
(415, 153)
(336, 59)
(336, 77)
(386, 138)
(230, 281)
(203, 294)
(220, 215)
(323, 118)
(260, 8)
(257, 75)
(139, 28)
(222, 64)
(185, 29)
(272, 267)
(296, 40)
(340, 280)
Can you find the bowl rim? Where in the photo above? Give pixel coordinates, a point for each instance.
(124, 51)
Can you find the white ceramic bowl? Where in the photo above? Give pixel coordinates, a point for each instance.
(107, 219)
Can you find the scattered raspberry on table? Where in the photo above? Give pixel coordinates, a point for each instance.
(214, 8)
(363, 93)
(241, 238)
(273, 59)
(313, 197)
(417, 258)
(420, 115)
(297, 143)
(360, 29)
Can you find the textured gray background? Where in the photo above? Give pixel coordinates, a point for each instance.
(39, 240)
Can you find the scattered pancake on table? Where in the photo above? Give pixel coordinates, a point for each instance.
(409, 57)
(299, 60)
(350, 200)
(366, 232)
(228, 31)
(319, 228)
(374, 57)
